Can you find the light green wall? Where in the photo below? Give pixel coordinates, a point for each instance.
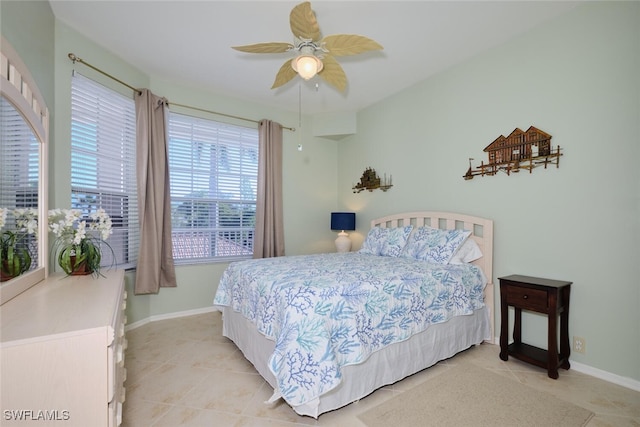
(575, 78)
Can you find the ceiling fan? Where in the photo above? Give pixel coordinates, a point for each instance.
(315, 54)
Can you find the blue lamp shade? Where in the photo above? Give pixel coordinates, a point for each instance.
(343, 221)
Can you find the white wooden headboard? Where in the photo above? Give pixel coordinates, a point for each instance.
(481, 231)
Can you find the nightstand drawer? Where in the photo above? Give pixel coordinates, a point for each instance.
(527, 298)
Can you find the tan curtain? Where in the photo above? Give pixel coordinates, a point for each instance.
(268, 240)
(155, 260)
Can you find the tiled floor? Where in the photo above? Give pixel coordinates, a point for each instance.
(183, 372)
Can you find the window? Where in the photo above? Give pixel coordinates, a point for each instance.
(103, 146)
(214, 174)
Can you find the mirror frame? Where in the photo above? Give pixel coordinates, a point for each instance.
(19, 88)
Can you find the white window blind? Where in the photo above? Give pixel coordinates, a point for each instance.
(214, 172)
(19, 173)
(103, 153)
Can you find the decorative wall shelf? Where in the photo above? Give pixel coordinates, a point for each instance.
(371, 181)
(519, 150)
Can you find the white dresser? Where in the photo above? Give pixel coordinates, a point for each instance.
(62, 352)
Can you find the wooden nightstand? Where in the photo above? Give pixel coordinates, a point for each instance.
(542, 296)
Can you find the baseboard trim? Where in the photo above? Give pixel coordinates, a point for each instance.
(166, 316)
(607, 376)
(599, 373)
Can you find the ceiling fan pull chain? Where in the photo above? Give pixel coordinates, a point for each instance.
(299, 116)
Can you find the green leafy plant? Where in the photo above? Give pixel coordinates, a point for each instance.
(15, 255)
(79, 241)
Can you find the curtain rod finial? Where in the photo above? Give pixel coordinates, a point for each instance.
(73, 57)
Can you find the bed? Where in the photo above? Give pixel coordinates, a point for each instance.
(325, 330)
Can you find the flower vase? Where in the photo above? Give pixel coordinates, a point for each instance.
(5, 276)
(80, 269)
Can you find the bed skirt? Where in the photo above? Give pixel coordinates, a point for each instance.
(386, 366)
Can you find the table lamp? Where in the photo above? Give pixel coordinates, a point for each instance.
(343, 221)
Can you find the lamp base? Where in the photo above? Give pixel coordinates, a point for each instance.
(343, 242)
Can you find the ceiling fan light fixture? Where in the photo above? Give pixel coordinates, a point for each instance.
(307, 66)
(312, 50)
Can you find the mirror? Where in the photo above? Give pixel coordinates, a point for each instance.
(24, 122)
(19, 177)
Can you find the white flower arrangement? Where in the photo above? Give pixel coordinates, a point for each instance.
(68, 225)
(76, 242)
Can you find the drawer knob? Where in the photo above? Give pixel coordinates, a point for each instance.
(526, 297)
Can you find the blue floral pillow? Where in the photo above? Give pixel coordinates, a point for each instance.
(434, 245)
(385, 241)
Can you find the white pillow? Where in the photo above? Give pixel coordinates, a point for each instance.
(468, 252)
(385, 241)
(434, 245)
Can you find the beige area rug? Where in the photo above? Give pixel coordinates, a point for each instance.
(467, 395)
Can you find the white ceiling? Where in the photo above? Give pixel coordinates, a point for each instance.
(189, 42)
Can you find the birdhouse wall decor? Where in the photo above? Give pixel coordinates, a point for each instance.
(520, 150)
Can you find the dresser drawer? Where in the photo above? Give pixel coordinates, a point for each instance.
(527, 298)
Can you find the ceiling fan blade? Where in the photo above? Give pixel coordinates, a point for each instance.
(286, 74)
(272, 47)
(333, 73)
(349, 44)
(303, 22)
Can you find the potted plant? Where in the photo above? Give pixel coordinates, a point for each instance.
(15, 254)
(79, 241)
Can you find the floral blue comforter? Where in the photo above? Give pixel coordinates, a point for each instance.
(326, 311)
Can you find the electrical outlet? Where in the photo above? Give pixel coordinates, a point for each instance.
(579, 345)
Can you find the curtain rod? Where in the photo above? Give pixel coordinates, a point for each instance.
(75, 59)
